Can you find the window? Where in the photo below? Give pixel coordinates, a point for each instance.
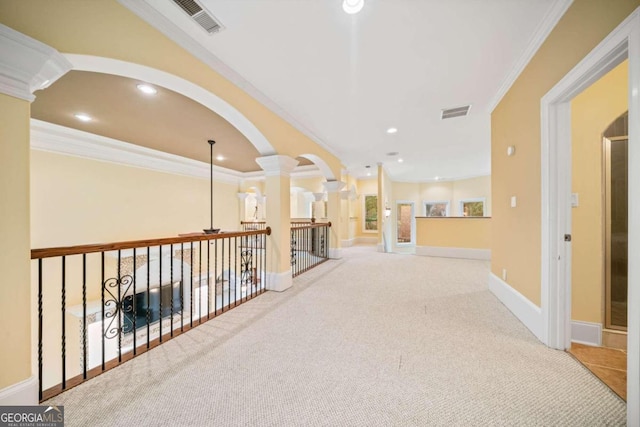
(472, 207)
(370, 213)
(436, 208)
(405, 223)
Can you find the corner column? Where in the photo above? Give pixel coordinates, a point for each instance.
(277, 170)
(26, 65)
(242, 197)
(334, 204)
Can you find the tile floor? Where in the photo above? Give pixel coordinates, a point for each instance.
(608, 364)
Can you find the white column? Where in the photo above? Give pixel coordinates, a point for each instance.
(242, 205)
(277, 170)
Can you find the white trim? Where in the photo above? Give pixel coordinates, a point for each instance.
(335, 253)
(472, 200)
(27, 65)
(366, 240)
(541, 33)
(587, 333)
(347, 243)
(24, 393)
(157, 20)
(446, 252)
(526, 311)
(72, 142)
(279, 282)
(623, 42)
(177, 84)
(277, 165)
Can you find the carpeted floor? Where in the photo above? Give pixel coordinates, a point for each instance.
(369, 340)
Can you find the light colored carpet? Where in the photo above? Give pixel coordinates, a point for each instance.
(370, 340)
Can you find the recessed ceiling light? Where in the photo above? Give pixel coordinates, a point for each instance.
(352, 6)
(437, 178)
(392, 130)
(400, 160)
(368, 173)
(83, 117)
(149, 90)
(219, 157)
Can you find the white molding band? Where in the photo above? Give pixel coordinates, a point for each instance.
(527, 312)
(445, 252)
(586, 333)
(72, 142)
(24, 393)
(366, 240)
(333, 186)
(541, 33)
(335, 253)
(27, 65)
(277, 165)
(279, 281)
(347, 243)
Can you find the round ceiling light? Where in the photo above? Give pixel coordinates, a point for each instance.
(83, 117)
(219, 157)
(392, 130)
(149, 90)
(352, 6)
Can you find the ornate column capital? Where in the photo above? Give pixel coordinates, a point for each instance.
(277, 165)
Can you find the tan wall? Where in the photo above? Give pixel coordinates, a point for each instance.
(592, 112)
(472, 233)
(70, 26)
(78, 201)
(516, 241)
(15, 297)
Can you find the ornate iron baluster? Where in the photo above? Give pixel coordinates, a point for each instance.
(114, 306)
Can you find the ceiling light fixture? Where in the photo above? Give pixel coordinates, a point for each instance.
(437, 178)
(392, 130)
(149, 90)
(352, 6)
(83, 117)
(400, 160)
(219, 157)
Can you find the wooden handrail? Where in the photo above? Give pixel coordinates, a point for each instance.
(105, 247)
(314, 225)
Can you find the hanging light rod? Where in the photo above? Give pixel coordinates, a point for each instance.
(211, 230)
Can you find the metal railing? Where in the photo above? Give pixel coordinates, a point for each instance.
(101, 305)
(309, 246)
(253, 225)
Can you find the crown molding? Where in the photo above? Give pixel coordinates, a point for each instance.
(72, 142)
(27, 65)
(541, 33)
(153, 17)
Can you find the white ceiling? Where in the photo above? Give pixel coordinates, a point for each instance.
(344, 79)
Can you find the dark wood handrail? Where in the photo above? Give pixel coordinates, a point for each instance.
(105, 247)
(314, 225)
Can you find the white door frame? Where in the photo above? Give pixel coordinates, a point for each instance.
(622, 43)
(413, 223)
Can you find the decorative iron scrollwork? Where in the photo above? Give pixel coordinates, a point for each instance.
(293, 251)
(116, 289)
(246, 274)
(322, 252)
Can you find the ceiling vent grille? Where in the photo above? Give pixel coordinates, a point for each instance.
(201, 16)
(455, 112)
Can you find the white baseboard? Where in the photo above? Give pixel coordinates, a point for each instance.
(467, 253)
(380, 247)
(365, 240)
(526, 311)
(586, 333)
(335, 253)
(347, 243)
(279, 281)
(24, 393)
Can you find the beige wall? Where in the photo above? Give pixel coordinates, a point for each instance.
(79, 201)
(15, 297)
(70, 26)
(592, 112)
(516, 241)
(471, 233)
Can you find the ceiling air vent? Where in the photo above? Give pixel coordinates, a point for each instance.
(201, 16)
(455, 112)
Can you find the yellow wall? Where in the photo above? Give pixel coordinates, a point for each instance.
(591, 113)
(516, 241)
(78, 201)
(472, 188)
(472, 233)
(15, 297)
(70, 26)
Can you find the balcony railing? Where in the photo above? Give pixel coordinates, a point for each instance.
(309, 246)
(101, 305)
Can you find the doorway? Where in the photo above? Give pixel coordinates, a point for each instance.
(405, 220)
